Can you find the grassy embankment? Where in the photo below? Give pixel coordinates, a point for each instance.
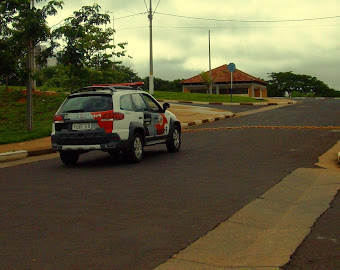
(13, 111)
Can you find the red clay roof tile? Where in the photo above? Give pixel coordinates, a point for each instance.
(222, 75)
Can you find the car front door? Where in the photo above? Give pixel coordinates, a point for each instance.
(143, 109)
(159, 122)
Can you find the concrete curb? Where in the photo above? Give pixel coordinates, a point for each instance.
(22, 154)
(13, 155)
(228, 104)
(207, 120)
(40, 152)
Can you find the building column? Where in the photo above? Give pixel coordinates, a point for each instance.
(217, 89)
(252, 90)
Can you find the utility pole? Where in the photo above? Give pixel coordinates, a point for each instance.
(113, 37)
(31, 82)
(151, 85)
(113, 40)
(210, 86)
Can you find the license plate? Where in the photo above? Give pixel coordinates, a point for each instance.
(81, 126)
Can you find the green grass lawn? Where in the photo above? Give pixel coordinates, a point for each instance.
(13, 127)
(13, 116)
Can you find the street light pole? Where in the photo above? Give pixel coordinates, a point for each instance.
(151, 84)
(113, 39)
(31, 82)
(210, 86)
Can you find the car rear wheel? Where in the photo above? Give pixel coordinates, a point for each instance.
(135, 151)
(69, 158)
(114, 153)
(174, 143)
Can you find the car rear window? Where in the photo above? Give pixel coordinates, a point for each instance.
(87, 103)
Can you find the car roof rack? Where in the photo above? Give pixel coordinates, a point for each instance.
(127, 86)
(111, 87)
(94, 88)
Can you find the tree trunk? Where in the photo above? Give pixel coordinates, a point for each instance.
(6, 81)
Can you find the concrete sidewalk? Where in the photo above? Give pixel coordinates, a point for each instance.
(188, 115)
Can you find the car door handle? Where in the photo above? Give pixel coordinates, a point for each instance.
(140, 117)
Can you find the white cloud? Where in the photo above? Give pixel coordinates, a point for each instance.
(308, 47)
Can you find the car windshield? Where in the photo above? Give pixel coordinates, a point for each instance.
(89, 103)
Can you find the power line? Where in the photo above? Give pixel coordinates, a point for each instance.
(146, 6)
(128, 28)
(242, 27)
(156, 7)
(250, 21)
(123, 17)
(132, 15)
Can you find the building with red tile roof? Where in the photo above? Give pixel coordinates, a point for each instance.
(243, 83)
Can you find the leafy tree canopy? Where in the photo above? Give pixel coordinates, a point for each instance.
(207, 80)
(163, 85)
(62, 77)
(86, 43)
(280, 82)
(21, 25)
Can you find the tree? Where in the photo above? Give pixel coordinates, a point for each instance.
(62, 77)
(208, 81)
(280, 82)
(20, 27)
(86, 43)
(164, 85)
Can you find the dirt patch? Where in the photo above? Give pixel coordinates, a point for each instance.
(40, 93)
(23, 99)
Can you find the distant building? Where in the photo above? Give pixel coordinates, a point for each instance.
(243, 83)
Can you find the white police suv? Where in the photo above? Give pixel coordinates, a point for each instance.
(114, 119)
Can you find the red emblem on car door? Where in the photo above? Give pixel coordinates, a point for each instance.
(160, 126)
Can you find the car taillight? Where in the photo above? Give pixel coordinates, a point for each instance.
(118, 116)
(58, 118)
(107, 116)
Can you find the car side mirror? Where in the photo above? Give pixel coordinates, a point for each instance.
(166, 106)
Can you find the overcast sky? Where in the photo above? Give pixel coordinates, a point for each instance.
(309, 47)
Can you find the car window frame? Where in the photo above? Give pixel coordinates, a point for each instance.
(140, 110)
(160, 109)
(132, 103)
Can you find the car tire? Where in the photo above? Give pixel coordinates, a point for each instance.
(69, 158)
(114, 153)
(135, 149)
(174, 143)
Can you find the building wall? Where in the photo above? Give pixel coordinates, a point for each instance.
(238, 89)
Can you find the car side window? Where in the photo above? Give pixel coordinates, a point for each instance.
(139, 103)
(126, 103)
(152, 104)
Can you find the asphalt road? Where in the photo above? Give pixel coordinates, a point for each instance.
(107, 214)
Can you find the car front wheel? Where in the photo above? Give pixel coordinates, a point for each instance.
(174, 143)
(69, 158)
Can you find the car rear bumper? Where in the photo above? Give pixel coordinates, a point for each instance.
(66, 140)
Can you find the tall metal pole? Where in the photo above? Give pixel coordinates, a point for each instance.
(30, 84)
(231, 87)
(113, 38)
(210, 86)
(151, 85)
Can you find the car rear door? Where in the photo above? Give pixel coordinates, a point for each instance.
(127, 109)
